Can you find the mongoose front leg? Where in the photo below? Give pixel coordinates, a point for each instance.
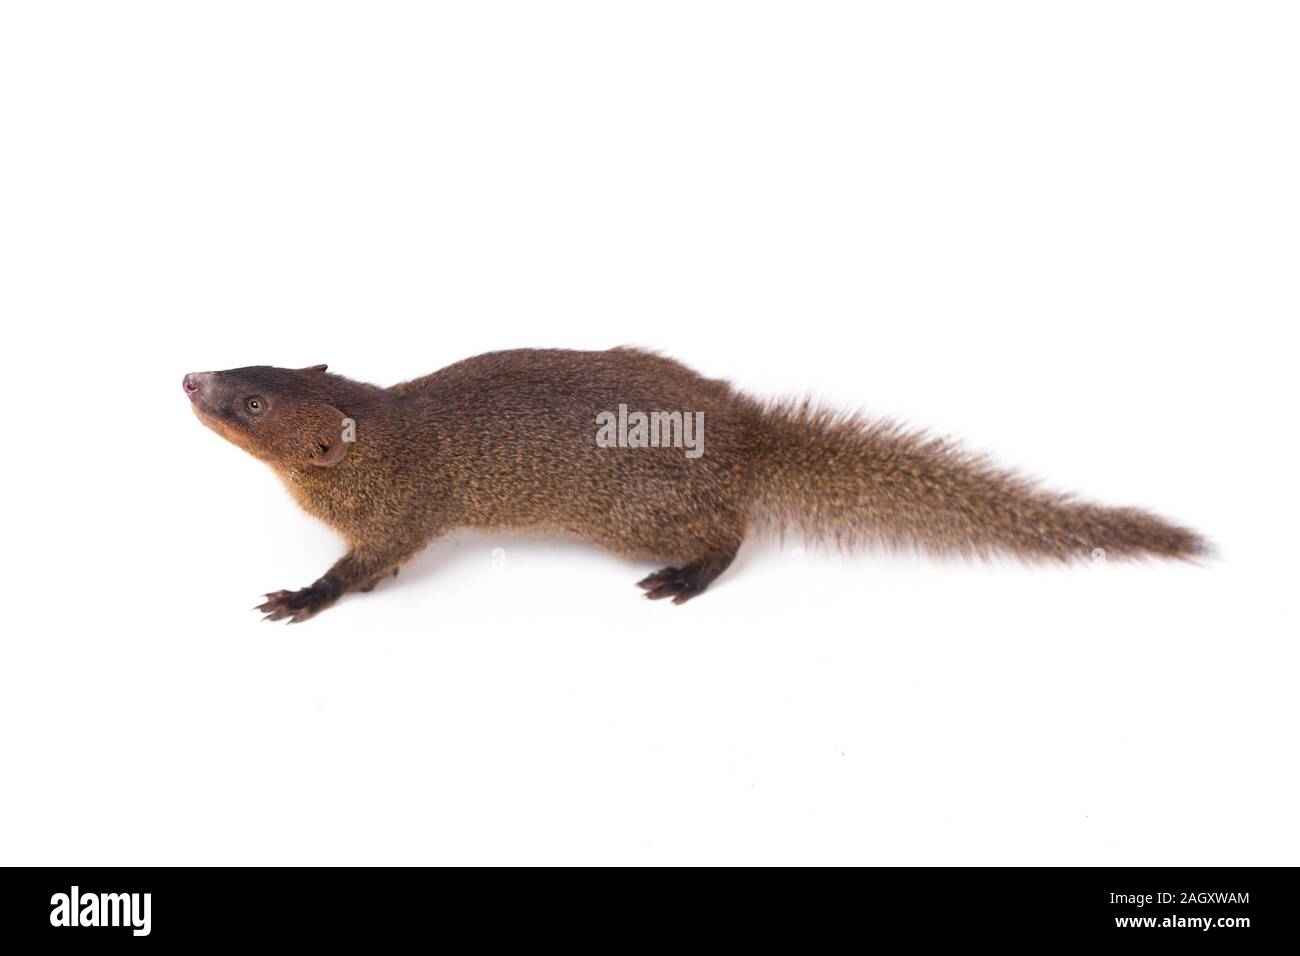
(358, 570)
(682, 584)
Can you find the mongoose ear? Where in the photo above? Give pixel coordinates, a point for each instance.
(333, 448)
(314, 368)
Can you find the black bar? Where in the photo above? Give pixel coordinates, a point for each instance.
(1229, 907)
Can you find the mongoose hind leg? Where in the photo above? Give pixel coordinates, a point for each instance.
(682, 584)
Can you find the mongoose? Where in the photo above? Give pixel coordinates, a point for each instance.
(512, 441)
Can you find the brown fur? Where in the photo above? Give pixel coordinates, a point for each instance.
(506, 441)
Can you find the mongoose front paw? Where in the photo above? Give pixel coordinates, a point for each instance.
(295, 605)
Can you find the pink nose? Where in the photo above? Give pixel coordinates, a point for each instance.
(194, 382)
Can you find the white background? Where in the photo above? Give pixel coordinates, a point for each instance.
(1064, 232)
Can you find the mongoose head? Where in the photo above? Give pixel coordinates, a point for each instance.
(283, 416)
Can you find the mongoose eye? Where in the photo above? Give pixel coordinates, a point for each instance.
(254, 405)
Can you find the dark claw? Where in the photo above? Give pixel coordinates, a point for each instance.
(654, 580)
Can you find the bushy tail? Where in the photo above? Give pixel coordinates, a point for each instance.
(851, 481)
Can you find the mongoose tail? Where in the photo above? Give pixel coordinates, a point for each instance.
(851, 481)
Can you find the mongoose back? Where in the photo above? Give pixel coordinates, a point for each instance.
(600, 446)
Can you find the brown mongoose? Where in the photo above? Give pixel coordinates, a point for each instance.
(601, 446)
